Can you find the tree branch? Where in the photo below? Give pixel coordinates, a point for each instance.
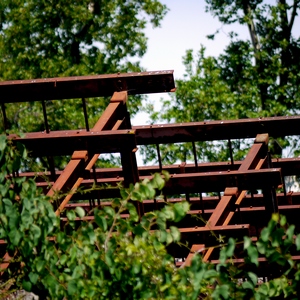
(294, 13)
(251, 26)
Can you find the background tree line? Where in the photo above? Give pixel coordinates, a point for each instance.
(255, 77)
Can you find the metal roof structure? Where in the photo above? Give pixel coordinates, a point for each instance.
(249, 191)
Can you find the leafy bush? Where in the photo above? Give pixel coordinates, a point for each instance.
(126, 258)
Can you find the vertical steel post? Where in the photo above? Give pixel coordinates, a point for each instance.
(86, 120)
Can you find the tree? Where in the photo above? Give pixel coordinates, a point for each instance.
(62, 38)
(271, 46)
(256, 77)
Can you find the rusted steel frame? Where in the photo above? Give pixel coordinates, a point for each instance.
(195, 155)
(259, 259)
(288, 166)
(110, 116)
(86, 86)
(226, 208)
(226, 205)
(208, 182)
(271, 201)
(208, 254)
(69, 176)
(51, 167)
(216, 130)
(69, 196)
(253, 157)
(113, 112)
(194, 211)
(159, 157)
(92, 141)
(196, 248)
(5, 124)
(243, 193)
(215, 228)
(223, 208)
(86, 119)
(47, 129)
(128, 159)
(218, 181)
(107, 121)
(230, 151)
(6, 261)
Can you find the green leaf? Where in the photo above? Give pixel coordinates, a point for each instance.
(72, 287)
(7, 202)
(265, 233)
(14, 237)
(230, 247)
(159, 183)
(101, 222)
(180, 210)
(253, 278)
(297, 242)
(253, 254)
(33, 277)
(71, 215)
(80, 211)
(3, 142)
(175, 233)
(124, 194)
(27, 285)
(40, 265)
(247, 285)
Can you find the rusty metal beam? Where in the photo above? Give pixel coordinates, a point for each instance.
(54, 144)
(218, 181)
(196, 248)
(288, 166)
(86, 86)
(216, 130)
(206, 182)
(69, 176)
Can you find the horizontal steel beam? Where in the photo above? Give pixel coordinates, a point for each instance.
(55, 143)
(289, 167)
(197, 131)
(194, 182)
(218, 181)
(216, 130)
(86, 86)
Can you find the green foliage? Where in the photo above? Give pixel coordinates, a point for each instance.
(117, 258)
(257, 77)
(63, 38)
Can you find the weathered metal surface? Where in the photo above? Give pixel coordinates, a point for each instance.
(218, 181)
(239, 211)
(216, 130)
(69, 176)
(86, 86)
(288, 166)
(54, 144)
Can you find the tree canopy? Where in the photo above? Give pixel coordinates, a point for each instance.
(63, 38)
(256, 77)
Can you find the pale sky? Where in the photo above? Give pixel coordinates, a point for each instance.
(185, 26)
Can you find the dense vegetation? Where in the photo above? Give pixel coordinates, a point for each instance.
(116, 258)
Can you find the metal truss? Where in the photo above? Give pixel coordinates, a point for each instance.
(248, 191)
